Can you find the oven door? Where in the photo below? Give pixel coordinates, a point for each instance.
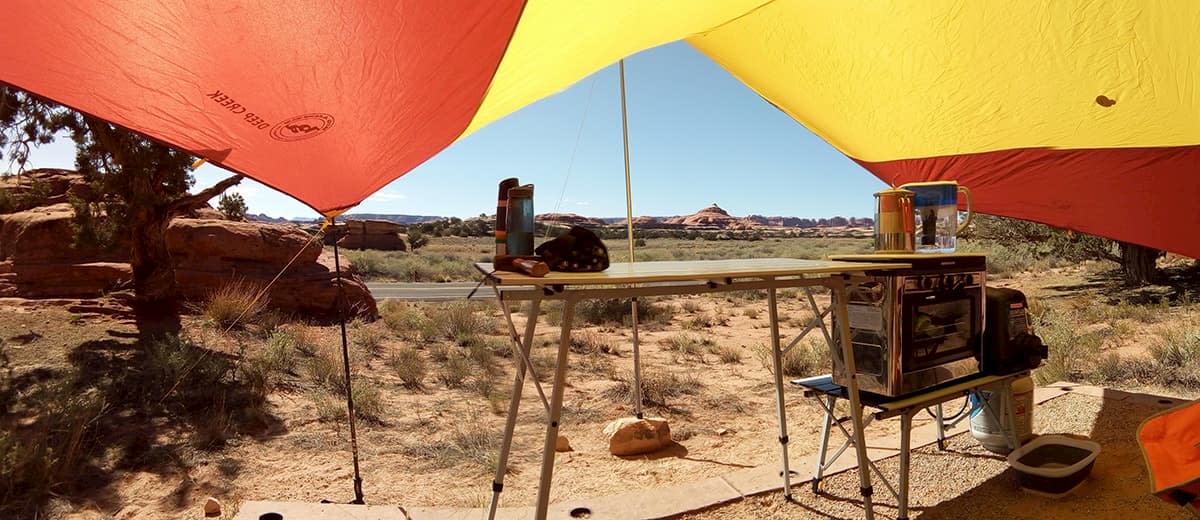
(940, 328)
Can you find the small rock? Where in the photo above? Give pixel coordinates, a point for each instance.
(722, 431)
(631, 436)
(563, 444)
(212, 507)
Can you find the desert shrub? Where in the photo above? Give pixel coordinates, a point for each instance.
(750, 312)
(301, 336)
(368, 403)
(658, 387)
(479, 353)
(325, 370)
(806, 358)
(589, 342)
(498, 346)
(690, 306)
(1109, 369)
(279, 353)
(454, 371)
(46, 455)
(620, 311)
(727, 354)
(409, 366)
(403, 319)
(1177, 355)
(367, 337)
(233, 304)
(687, 346)
(1070, 352)
(705, 321)
(459, 322)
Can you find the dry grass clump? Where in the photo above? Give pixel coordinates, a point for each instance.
(234, 304)
(45, 455)
(620, 312)
(459, 323)
(659, 388)
(726, 353)
(368, 403)
(809, 357)
(368, 338)
(454, 371)
(750, 312)
(325, 369)
(1177, 355)
(409, 366)
(705, 321)
(403, 319)
(472, 444)
(590, 342)
(687, 346)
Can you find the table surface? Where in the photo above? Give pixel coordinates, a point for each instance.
(690, 270)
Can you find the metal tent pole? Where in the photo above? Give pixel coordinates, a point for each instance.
(637, 355)
(337, 266)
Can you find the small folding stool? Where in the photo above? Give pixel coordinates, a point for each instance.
(826, 393)
(1170, 443)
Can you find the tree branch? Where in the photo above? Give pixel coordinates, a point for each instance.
(105, 136)
(191, 202)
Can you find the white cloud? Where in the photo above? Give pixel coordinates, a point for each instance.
(388, 196)
(582, 203)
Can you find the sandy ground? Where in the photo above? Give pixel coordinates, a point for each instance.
(967, 481)
(727, 425)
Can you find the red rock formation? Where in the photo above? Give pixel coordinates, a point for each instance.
(372, 234)
(37, 260)
(570, 219)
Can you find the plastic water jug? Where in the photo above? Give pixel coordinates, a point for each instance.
(894, 221)
(936, 215)
(519, 232)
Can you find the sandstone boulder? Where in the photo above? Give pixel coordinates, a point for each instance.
(631, 436)
(384, 235)
(37, 260)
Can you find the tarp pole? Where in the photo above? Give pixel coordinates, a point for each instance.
(637, 357)
(341, 305)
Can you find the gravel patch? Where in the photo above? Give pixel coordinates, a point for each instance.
(967, 481)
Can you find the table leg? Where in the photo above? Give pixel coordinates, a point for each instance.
(556, 399)
(514, 403)
(860, 444)
(773, 312)
(941, 429)
(816, 483)
(905, 454)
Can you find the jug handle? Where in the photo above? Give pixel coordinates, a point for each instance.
(966, 222)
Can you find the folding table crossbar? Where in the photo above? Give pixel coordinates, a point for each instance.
(825, 392)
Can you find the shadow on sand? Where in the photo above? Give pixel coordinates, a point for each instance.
(148, 404)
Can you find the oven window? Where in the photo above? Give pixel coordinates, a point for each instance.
(939, 332)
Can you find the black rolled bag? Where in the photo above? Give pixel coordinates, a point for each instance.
(577, 250)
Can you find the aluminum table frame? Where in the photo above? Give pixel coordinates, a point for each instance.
(624, 280)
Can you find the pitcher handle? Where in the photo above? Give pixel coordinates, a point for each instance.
(970, 213)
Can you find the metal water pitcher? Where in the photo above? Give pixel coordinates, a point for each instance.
(894, 221)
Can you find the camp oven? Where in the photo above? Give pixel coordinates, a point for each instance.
(914, 328)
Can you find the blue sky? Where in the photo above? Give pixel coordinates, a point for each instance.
(696, 136)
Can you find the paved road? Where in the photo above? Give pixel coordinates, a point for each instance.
(428, 291)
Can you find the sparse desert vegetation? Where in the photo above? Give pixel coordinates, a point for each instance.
(91, 412)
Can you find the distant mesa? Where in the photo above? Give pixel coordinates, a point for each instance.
(570, 219)
(713, 217)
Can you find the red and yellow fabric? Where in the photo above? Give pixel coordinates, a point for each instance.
(1075, 113)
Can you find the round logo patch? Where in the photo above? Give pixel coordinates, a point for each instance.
(302, 127)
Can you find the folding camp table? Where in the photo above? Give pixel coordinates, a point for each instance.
(623, 280)
(826, 393)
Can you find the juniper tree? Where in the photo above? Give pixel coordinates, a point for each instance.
(137, 185)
